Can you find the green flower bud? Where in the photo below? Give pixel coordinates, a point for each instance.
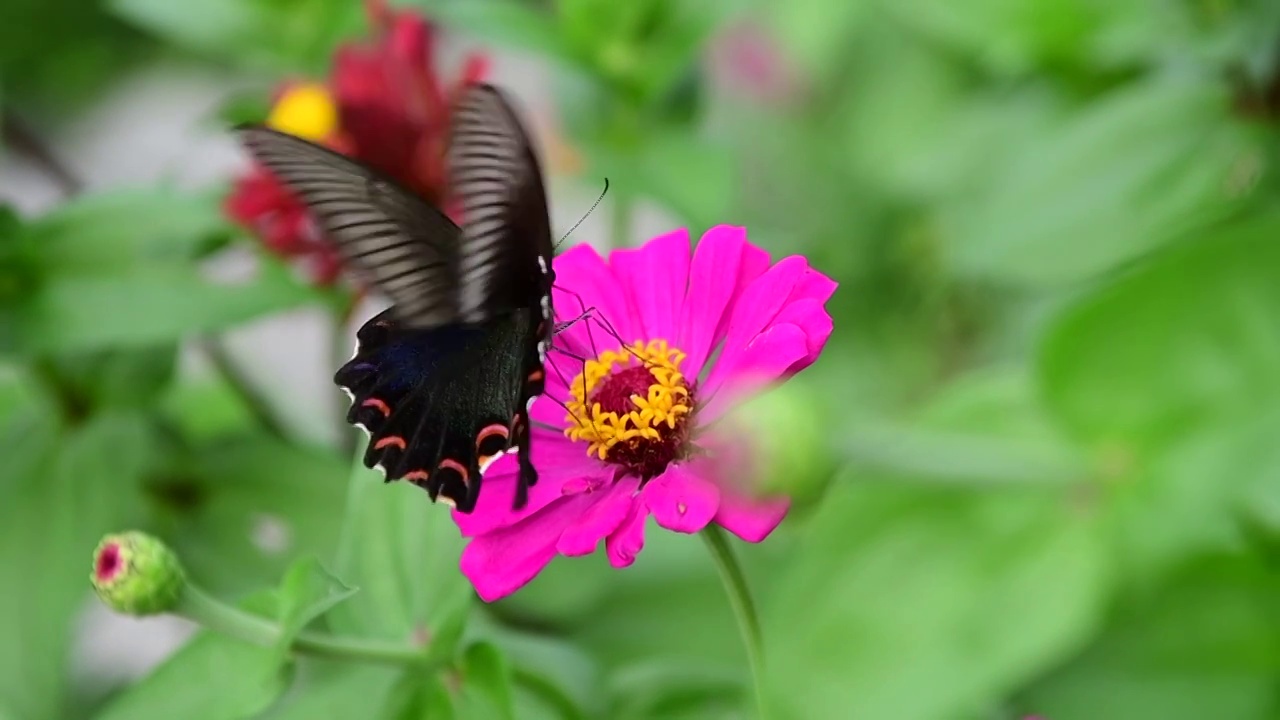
(788, 441)
(137, 574)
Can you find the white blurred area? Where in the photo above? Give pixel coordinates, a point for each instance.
(159, 125)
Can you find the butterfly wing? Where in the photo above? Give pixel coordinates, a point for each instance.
(395, 240)
(506, 249)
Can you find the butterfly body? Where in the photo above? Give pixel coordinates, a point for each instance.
(443, 380)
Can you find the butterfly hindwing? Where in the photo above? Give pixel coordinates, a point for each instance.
(428, 399)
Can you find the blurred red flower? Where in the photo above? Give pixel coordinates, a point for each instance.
(383, 104)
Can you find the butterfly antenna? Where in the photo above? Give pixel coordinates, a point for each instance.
(586, 215)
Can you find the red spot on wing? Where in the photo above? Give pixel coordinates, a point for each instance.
(414, 476)
(491, 431)
(395, 440)
(376, 403)
(535, 376)
(454, 465)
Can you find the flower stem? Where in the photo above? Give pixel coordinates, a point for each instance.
(744, 609)
(220, 617)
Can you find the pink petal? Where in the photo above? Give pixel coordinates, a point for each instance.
(656, 276)
(500, 562)
(722, 263)
(756, 308)
(558, 461)
(609, 511)
(681, 500)
(751, 520)
(622, 545)
(585, 281)
(770, 356)
(810, 316)
(814, 286)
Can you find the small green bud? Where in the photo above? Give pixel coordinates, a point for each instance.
(137, 574)
(788, 441)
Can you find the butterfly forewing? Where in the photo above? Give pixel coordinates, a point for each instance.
(400, 243)
(506, 241)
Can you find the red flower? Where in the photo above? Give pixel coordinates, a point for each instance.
(384, 105)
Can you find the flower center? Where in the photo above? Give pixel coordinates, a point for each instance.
(108, 563)
(307, 111)
(631, 406)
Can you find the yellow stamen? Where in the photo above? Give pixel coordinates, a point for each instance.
(306, 111)
(666, 401)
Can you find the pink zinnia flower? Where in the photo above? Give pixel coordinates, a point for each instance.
(637, 440)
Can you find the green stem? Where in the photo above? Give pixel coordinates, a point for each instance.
(220, 617)
(254, 400)
(744, 610)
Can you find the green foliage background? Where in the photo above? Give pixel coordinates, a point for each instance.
(1042, 474)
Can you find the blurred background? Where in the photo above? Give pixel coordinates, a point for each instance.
(1034, 472)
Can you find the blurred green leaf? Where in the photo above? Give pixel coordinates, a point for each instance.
(212, 677)
(239, 509)
(551, 673)
(664, 689)
(1190, 341)
(419, 697)
(507, 23)
(1170, 375)
(307, 591)
(691, 176)
(205, 409)
(817, 34)
(78, 486)
(1205, 645)
(1129, 173)
(276, 35)
(334, 689)
(894, 589)
(112, 233)
(133, 378)
(57, 56)
(402, 551)
(486, 678)
(155, 305)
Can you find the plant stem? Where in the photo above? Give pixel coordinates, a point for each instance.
(744, 610)
(254, 401)
(220, 617)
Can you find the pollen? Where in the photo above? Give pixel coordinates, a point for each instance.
(631, 406)
(306, 111)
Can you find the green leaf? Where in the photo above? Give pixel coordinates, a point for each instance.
(1205, 645)
(335, 689)
(112, 233)
(816, 34)
(154, 305)
(507, 23)
(288, 35)
(486, 678)
(307, 592)
(212, 677)
(1134, 171)
(418, 697)
(402, 551)
(133, 378)
(1169, 376)
(1190, 341)
(239, 509)
(77, 486)
(897, 588)
(689, 175)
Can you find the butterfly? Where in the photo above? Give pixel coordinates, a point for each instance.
(444, 379)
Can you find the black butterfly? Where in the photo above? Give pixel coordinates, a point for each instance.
(444, 379)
